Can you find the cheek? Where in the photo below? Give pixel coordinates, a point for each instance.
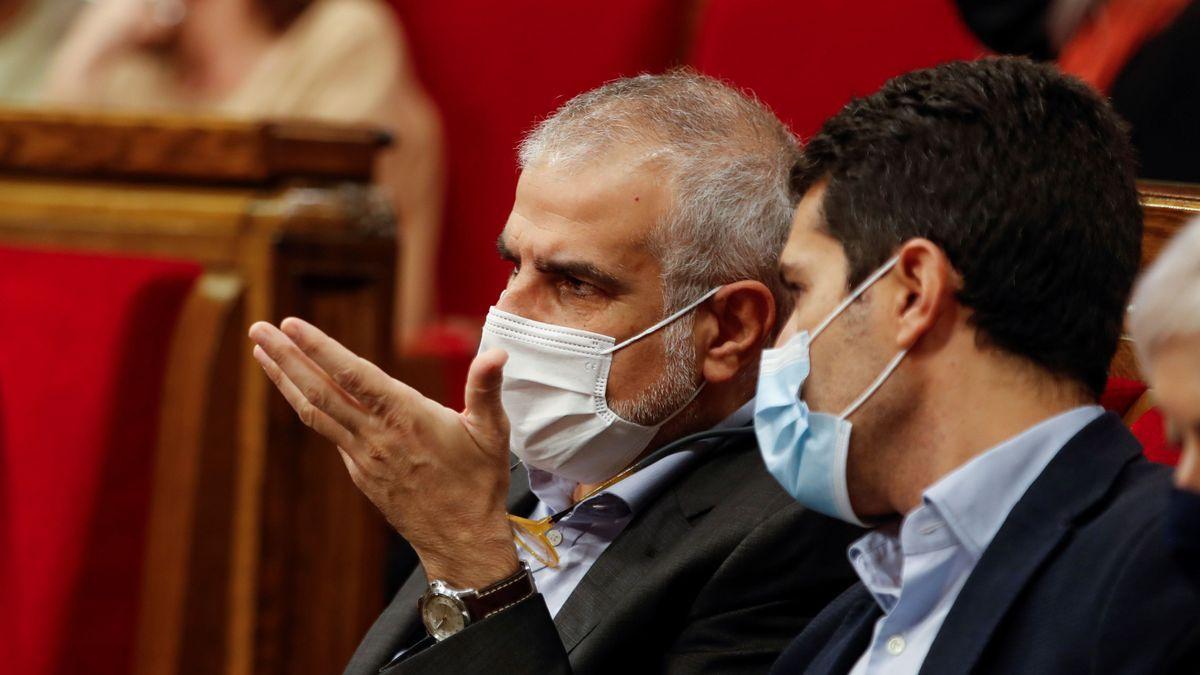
(635, 368)
(787, 331)
(824, 388)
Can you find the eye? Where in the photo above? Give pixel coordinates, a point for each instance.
(576, 287)
(513, 273)
(793, 287)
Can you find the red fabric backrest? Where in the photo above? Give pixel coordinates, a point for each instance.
(1121, 393)
(1119, 397)
(806, 59)
(83, 348)
(1149, 429)
(494, 69)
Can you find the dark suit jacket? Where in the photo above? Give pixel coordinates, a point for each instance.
(717, 574)
(1079, 579)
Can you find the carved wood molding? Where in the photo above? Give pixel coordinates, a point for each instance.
(173, 147)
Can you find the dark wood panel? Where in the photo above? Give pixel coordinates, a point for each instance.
(162, 148)
(323, 548)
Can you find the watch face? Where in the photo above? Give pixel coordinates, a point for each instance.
(444, 616)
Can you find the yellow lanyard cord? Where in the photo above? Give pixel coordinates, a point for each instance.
(538, 530)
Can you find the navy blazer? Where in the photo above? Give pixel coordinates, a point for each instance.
(1079, 579)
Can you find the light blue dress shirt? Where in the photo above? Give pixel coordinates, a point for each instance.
(584, 534)
(915, 570)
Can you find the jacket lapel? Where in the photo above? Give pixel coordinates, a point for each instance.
(851, 638)
(1081, 473)
(620, 570)
(629, 561)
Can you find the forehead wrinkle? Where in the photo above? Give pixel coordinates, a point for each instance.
(582, 263)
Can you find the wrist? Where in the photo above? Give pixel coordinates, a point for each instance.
(481, 559)
(446, 611)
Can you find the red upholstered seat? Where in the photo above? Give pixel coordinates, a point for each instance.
(1149, 429)
(83, 345)
(1121, 395)
(807, 59)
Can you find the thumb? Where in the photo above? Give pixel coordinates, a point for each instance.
(484, 412)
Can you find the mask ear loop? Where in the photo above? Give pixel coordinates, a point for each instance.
(858, 291)
(855, 295)
(670, 319)
(887, 372)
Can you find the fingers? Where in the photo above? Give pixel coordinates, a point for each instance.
(485, 411)
(363, 380)
(309, 414)
(310, 381)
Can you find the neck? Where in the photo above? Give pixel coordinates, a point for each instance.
(940, 433)
(711, 407)
(219, 42)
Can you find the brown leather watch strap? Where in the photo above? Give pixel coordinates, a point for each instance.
(500, 595)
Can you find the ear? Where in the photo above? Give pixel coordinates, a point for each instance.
(730, 335)
(927, 283)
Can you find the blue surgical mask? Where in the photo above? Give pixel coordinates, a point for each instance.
(806, 451)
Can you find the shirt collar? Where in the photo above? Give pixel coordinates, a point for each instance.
(975, 499)
(637, 490)
(966, 508)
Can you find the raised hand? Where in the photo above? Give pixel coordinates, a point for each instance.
(438, 476)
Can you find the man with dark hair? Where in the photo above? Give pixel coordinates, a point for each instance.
(962, 257)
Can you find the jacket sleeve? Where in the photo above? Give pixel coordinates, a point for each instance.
(520, 639)
(777, 580)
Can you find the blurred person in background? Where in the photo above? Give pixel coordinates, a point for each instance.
(30, 32)
(342, 61)
(1143, 54)
(1165, 324)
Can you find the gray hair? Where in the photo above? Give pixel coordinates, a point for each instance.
(1166, 300)
(727, 159)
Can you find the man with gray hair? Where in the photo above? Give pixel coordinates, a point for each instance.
(644, 239)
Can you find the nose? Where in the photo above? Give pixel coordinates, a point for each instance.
(519, 296)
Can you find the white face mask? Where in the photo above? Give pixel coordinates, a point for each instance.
(554, 392)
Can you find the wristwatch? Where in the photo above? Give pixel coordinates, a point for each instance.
(445, 610)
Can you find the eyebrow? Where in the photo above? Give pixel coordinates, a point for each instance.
(504, 251)
(580, 269)
(789, 272)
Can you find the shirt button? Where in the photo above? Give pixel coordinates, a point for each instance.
(554, 537)
(896, 645)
